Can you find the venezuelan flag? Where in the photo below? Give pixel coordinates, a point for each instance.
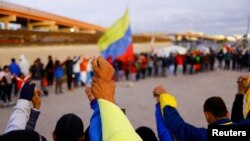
(116, 42)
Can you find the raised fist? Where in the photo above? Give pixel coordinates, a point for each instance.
(102, 69)
(101, 89)
(27, 91)
(243, 84)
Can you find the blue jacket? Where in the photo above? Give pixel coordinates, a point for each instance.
(58, 72)
(174, 122)
(15, 69)
(95, 132)
(163, 132)
(182, 130)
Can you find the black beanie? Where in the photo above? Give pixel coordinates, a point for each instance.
(69, 128)
(22, 135)
(146, 134)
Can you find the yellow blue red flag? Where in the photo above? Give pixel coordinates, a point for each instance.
(116, 42)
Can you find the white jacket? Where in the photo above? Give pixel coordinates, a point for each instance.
(19, 117)
(76, 66)
(24, 65)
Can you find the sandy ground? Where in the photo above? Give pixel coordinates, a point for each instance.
(190, 92)
(60, 52)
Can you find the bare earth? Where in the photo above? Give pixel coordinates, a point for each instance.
(60, 52)
(190, 92)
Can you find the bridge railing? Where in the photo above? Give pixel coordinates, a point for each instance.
(24, 37)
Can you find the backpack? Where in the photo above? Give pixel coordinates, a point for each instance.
(58, 72)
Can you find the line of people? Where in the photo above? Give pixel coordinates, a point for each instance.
(77, 71)
(109, 123)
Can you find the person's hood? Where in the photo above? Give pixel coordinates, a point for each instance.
(22, 57)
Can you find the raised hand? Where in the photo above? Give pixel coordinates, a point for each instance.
(243, 84)
(159, 90)
(103, 89)
(102, 85)
(27, 91)
(102, 69)
(36, 99)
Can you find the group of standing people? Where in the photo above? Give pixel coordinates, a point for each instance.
(147, 65)
(77, 71)
(235, 60)
(103, 126)
(9, 76)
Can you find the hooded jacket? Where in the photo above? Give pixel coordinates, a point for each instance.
(24, 65)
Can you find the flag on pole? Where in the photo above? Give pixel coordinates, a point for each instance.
(116, 42)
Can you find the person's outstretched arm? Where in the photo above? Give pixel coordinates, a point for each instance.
(174, 122)
(34, 112)
(163, 132)
(19, 116)
(114, 124)
(21, 111)
(95, 128)
(237, 109)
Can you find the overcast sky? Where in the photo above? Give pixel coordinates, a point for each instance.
(209, 16)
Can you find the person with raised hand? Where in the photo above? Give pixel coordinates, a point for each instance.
(23, 119)
(243, 83)
(108, 122)
(23, 112)
(214, 109)
(103, 86)
(163, 132)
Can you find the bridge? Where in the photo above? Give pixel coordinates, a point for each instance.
(55, 29)
(32, 19)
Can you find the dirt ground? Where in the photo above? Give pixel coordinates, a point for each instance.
(60, 52)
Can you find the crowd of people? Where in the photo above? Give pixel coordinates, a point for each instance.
(77, 71)
(103, 125)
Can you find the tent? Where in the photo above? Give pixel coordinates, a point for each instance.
(165, 51)
(231, 39)
(203, 49)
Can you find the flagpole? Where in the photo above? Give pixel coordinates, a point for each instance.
(248, 24)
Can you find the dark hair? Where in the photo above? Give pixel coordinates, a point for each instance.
(146, 133)
(216, 106)
(21, 74)
(22, 135)
(57, 63)
(13, 60)
(5, 67)
(50, 57)
(69, 128)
